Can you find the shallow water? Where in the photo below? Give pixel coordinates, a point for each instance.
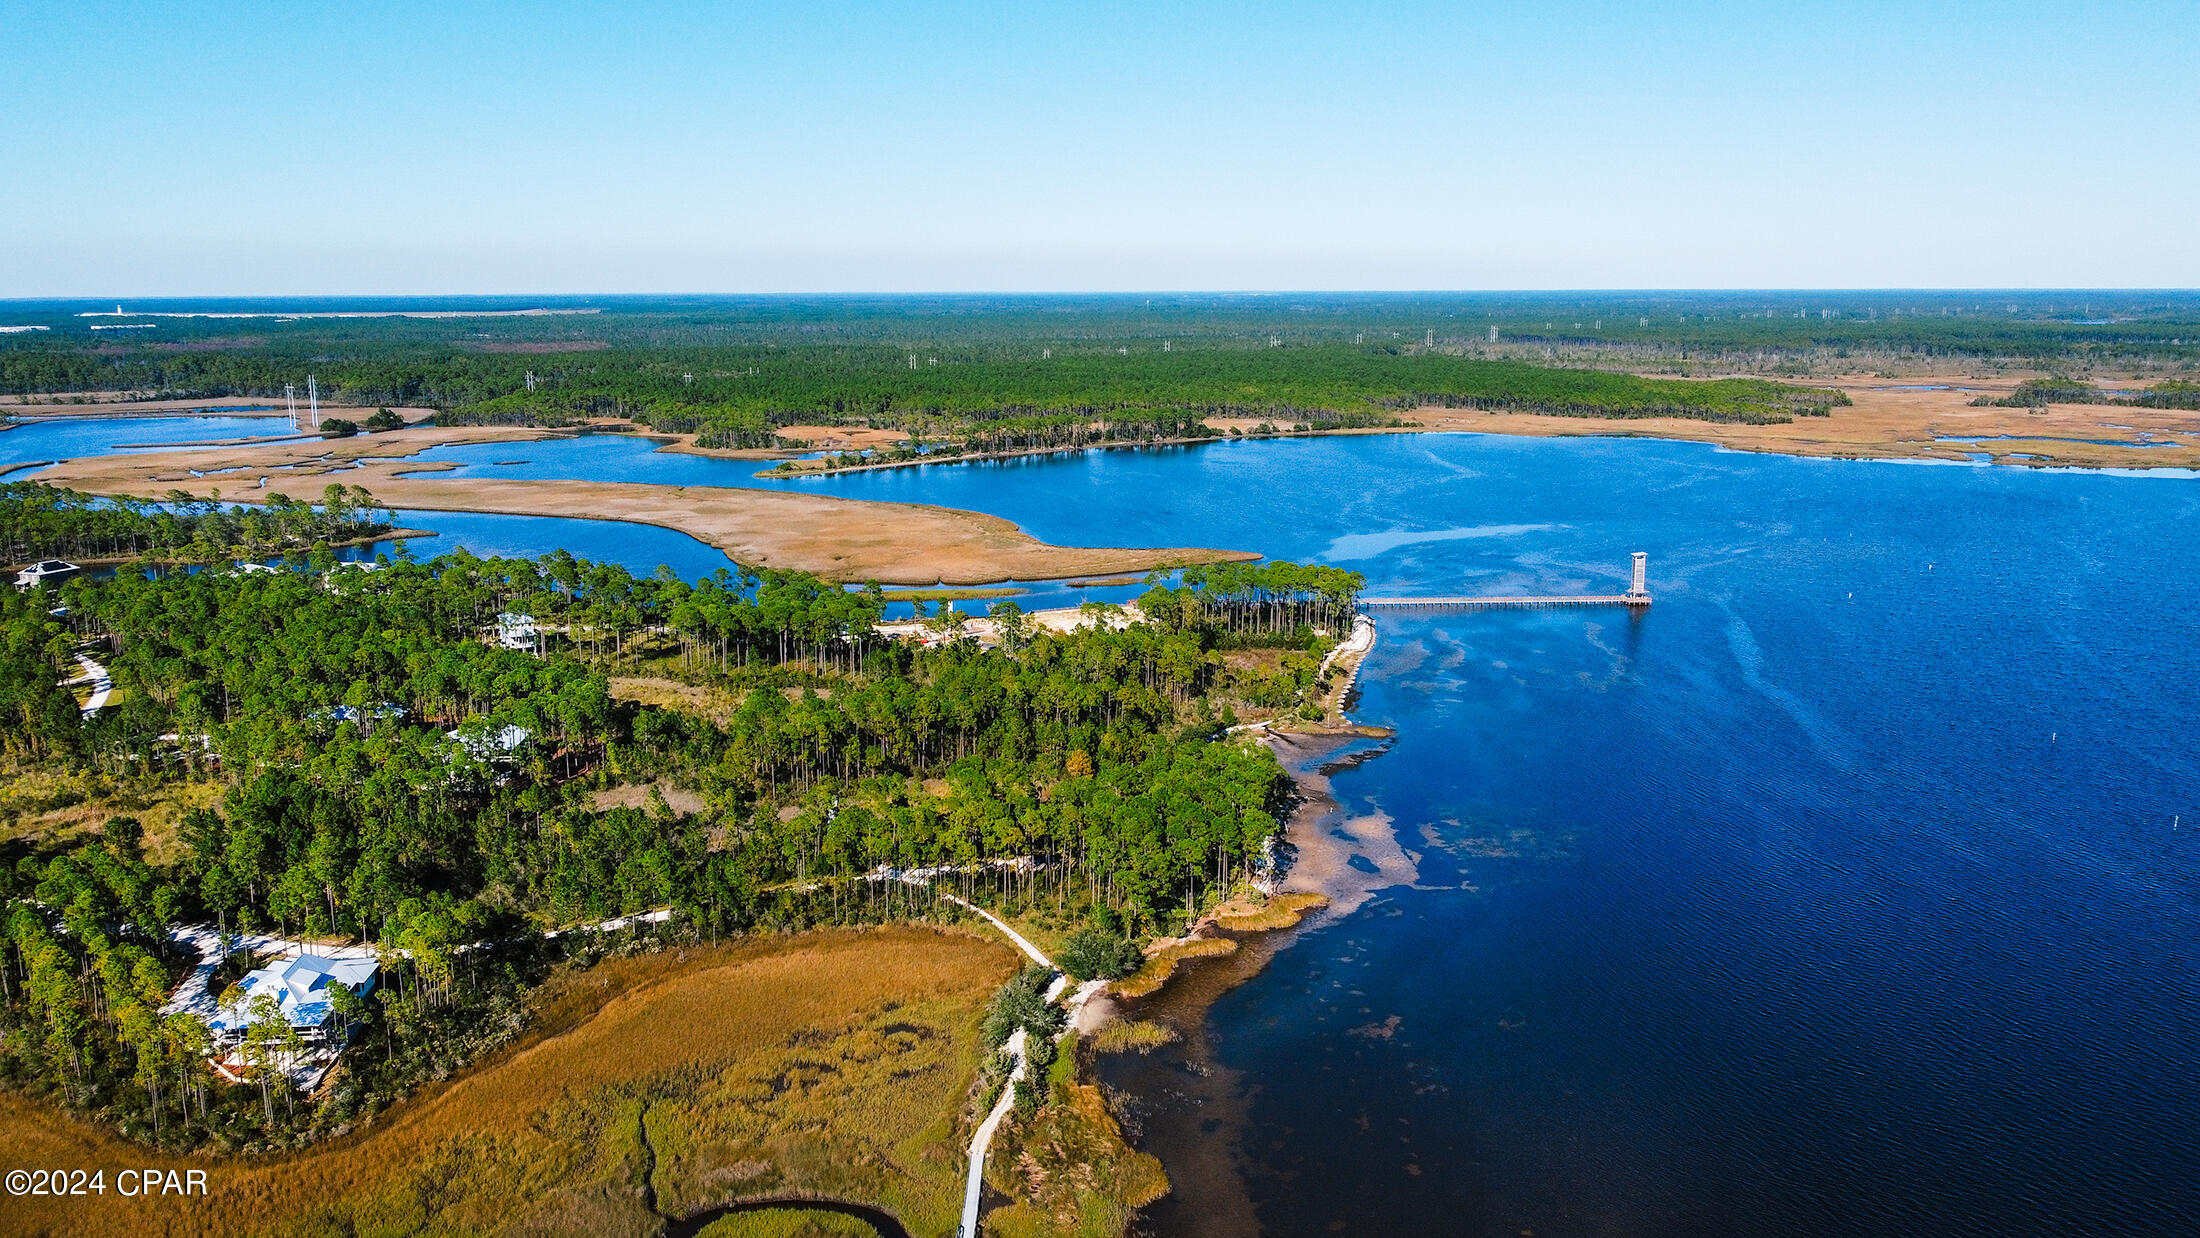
(640, 548)
(1847, 891)
(63, 439)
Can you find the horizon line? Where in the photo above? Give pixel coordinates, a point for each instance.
(2008, 290)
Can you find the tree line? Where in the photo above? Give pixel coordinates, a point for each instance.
(38, 521)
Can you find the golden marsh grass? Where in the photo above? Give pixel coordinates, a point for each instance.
(830, 1063)
(1280, 911)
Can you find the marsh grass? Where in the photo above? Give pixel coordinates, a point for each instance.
(1067, 1169)
(1133, 1036)
(1162, 963)
(1279, 911)
(831, 1063)
(789, 1223)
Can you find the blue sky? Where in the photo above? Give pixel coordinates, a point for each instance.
(211, 148)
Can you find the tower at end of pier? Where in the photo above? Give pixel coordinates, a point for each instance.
(1638, 593)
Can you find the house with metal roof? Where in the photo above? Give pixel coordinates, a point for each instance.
(302, 989)
(518, 632)
(45, 572)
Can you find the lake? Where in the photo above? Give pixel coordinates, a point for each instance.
(1852, 889)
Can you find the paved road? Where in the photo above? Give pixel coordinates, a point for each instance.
(103, 685)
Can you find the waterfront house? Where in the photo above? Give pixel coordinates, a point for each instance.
(45, 572)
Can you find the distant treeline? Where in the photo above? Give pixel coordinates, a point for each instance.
(2040, 392)
(740, 396)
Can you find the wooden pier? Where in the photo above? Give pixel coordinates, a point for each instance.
(1486, 603)
(1638, 594)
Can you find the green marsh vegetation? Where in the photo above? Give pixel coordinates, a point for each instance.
(2037, 392)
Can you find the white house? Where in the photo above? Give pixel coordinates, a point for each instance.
(365, 717)
(342, 575)
(515, 631)
(485, 743)
(45, 572)
(300, 987)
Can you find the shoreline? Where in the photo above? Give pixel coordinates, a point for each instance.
(839, 539)
(782, 473)
(242, 406)
(393, 535)
(1194, 1109)
(2016, 450)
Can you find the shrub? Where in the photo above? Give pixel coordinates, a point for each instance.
(1091, 954)
(1022, 1002)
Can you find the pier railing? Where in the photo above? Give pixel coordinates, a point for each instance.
(1486, 603)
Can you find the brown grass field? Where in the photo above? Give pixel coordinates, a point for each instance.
(833, 1063)
(49, 809)
(838, 539)
(1885, 422)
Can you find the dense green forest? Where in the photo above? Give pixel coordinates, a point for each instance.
(1096, 761)
(980, 374)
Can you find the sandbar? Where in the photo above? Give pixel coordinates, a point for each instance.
(842, 540)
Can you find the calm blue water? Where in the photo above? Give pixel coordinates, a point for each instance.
(65, 439)
(1837, 894)
(1848, 891)
(640, 548)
